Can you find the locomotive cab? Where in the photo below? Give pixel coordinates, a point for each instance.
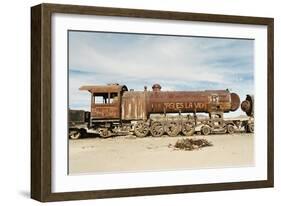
(105, 101)
(105, 105)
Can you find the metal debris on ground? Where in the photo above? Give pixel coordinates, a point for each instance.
(192, 144)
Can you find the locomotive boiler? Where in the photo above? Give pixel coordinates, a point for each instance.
(115, 110)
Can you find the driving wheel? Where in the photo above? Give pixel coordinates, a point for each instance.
(141, 129)
(157, 129)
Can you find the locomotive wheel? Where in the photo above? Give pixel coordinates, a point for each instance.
(172, 128)
(250, 128)
(187, 129)
(75, 134)
(205, 130)
(104, 133)
(230, 129)
(141, 129)
(157, 129)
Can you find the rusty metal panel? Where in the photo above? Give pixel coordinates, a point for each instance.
(194, 101)
(134, 106)
(105, 111)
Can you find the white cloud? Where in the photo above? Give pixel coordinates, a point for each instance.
(175, 62)
(158, 58)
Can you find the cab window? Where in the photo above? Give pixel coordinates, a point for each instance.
(105, 98)
(113, 98)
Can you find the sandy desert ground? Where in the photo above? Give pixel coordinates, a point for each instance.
(130, 154)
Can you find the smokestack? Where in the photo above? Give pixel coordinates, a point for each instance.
(156, 88)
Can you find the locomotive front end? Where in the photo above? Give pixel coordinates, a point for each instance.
(248, 105)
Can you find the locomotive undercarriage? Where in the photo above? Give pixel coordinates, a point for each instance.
(173, 125)
(190, 124)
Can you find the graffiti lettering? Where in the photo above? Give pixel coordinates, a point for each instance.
(186, 105)
(199, 105)
(179, 106)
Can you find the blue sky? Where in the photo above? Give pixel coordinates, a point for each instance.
(176, 63)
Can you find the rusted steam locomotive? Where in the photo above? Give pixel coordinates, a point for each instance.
(117, 111)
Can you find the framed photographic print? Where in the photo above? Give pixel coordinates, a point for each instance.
(130, 102)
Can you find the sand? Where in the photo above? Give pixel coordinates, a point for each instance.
(131, 154)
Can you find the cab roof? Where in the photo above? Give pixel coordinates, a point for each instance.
(104, 88)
